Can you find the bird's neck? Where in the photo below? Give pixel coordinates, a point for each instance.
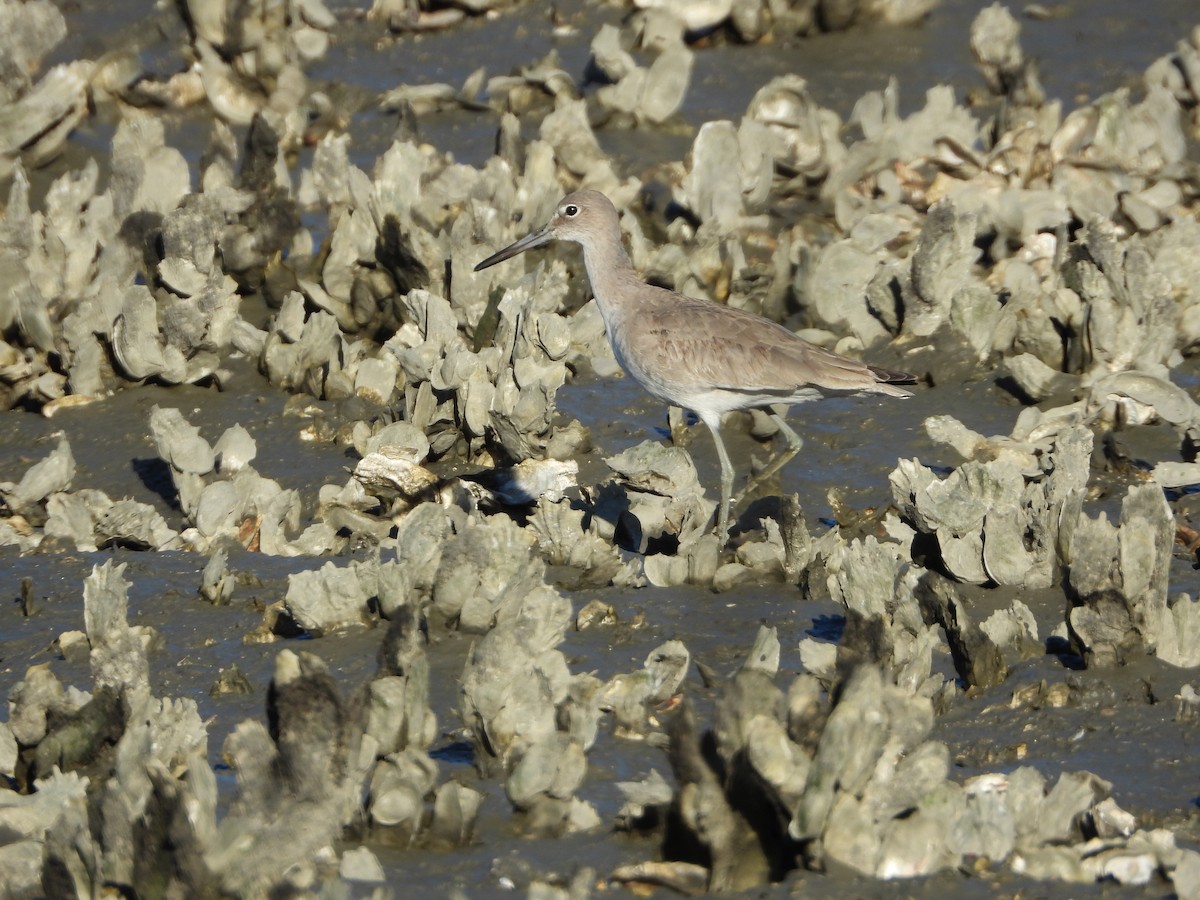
(610, 274)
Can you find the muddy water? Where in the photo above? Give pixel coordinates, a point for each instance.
(1119, 724)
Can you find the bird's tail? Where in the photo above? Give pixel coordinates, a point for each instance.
(886, 378)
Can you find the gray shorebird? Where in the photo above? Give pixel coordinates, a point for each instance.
(697, 354)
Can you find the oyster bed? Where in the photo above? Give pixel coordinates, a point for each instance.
(338, 568)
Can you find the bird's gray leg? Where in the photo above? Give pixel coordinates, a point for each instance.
(781, 459)
(726, 482)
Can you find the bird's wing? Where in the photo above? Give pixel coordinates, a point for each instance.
(722, 348)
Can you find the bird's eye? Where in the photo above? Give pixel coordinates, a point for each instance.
(571, 210)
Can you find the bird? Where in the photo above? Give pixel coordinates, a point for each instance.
(694, 353)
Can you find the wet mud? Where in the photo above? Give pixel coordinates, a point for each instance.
(488, 605)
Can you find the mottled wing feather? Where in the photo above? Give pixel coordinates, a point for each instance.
(720, 348)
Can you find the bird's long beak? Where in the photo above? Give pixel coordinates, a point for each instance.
(536, 239)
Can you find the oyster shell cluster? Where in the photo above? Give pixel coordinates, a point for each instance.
(1052, 247)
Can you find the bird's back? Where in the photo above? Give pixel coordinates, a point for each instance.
(701, 355)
